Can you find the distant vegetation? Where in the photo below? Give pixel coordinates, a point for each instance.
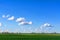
(29, 36)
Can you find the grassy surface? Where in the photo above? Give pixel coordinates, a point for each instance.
(29, 36)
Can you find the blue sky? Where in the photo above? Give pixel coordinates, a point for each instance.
(37, 11)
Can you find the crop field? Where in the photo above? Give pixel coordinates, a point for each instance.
(29, 36)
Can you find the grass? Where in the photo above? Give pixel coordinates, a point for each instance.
(26, 36)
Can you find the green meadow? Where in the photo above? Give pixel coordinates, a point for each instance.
(26, 36)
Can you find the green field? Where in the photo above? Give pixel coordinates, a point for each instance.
(29, 36)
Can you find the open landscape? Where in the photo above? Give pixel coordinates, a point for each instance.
(29, 36)
(29, 19)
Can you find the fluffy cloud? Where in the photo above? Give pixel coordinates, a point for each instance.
(0, 24)
(25, 23)
(20, 19)
(47, 25)
(11, 18)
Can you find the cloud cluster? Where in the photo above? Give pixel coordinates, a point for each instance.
(8, 17)
(20, 20)
(23, 21)
(5, 16)
(47, 25)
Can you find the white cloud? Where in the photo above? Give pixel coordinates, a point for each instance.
(3, 16)
(47, 25)
(20, 19)
(25, 23)
(0, 24)
(30, 22)
(11, 18)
